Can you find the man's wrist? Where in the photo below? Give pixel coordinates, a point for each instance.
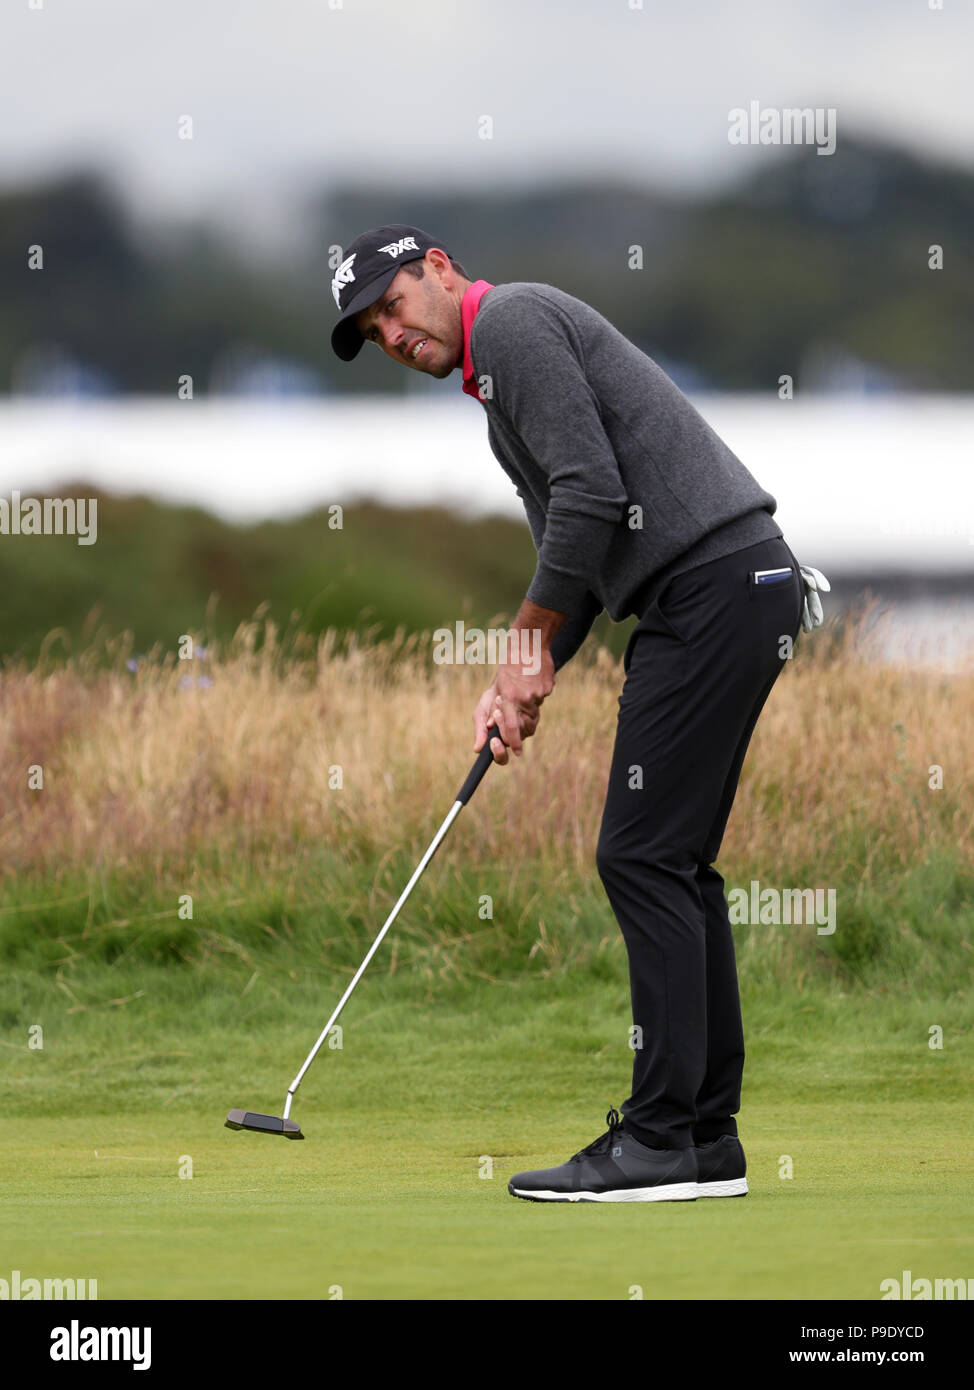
(532, 617)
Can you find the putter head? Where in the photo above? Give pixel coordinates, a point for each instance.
(263, 1124)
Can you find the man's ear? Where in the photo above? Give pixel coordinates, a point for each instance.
(439, 263)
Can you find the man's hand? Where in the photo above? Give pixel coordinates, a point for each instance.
(519, 695)
(522, 683)
(503, 705)
(490, 708)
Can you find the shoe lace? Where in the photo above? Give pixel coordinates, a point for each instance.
(605, 1141)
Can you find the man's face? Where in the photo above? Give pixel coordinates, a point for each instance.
(417, 322)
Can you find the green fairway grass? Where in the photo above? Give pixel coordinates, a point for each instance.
(384, 1199)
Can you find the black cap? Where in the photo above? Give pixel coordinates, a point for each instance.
(369, 267)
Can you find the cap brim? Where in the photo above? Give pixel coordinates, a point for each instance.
(346, 340)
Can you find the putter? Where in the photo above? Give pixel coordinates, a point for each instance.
(283, 1124)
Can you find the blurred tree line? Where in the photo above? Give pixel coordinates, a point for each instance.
(159, 571)
(815, 266)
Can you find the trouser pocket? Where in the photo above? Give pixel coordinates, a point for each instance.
(779, 592)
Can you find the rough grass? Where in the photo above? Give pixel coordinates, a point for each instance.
(240, 754)
(291, 793)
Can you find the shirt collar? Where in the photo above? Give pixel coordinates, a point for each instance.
(468, 312)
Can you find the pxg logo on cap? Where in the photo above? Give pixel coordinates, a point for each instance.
(371, 265)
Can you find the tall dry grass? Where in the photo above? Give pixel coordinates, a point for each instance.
(149, 768)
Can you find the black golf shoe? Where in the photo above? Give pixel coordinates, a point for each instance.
(614, 1168)
(721, 1167)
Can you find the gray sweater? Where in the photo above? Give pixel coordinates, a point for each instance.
(623, 481)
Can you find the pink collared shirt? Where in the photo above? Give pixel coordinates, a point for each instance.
(468, 312)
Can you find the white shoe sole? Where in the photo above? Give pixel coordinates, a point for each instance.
(732, 1187)
(672, 1192)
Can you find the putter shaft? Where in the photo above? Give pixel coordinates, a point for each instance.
(484, 759)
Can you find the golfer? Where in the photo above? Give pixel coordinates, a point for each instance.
(636, 507)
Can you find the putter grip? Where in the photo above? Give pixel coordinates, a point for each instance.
(484, 759)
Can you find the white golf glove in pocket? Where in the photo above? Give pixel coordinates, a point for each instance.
(815, 583)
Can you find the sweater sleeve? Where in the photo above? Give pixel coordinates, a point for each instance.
(535, 516)
(574, 630)
(531, 355)
(577, 626)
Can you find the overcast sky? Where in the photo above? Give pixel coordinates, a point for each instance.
(287, 94)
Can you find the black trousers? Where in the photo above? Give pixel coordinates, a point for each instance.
(699, 667)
